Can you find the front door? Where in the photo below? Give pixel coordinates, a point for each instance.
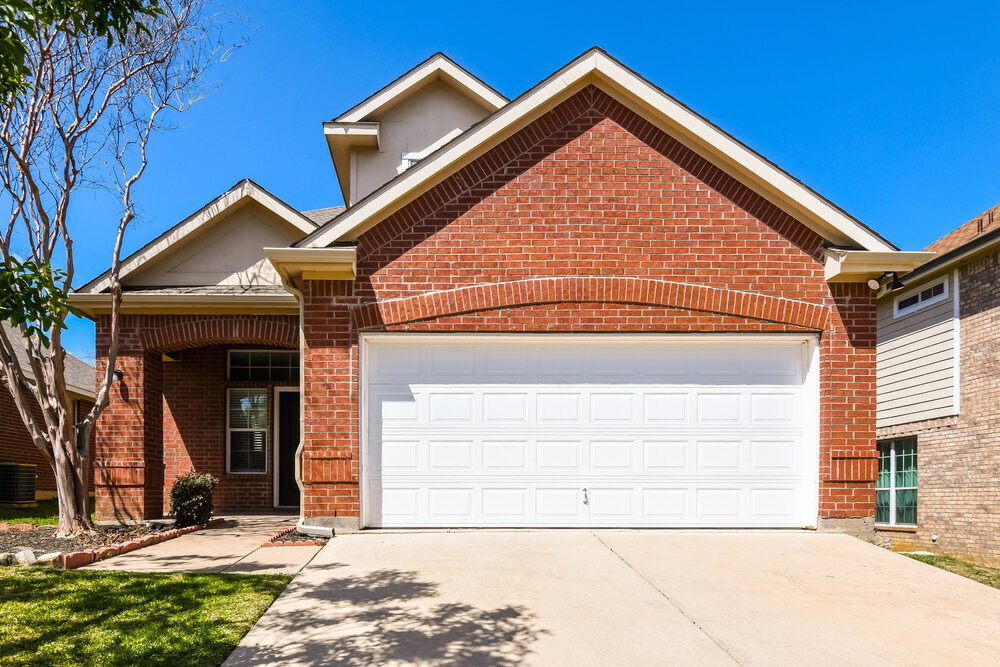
(288, 442)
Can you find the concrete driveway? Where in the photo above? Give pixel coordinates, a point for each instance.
(575, 597)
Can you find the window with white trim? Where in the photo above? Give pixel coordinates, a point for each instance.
(921, 298)
(408, 160)
(246, 430)
(896, 489)
(264, 365)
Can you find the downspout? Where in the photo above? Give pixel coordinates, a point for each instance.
(301, 526)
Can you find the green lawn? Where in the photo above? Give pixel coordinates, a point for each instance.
(54, 617)
(47, 513)
(981, 573)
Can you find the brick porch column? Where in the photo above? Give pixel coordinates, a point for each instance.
(330, 399)
(128, 448)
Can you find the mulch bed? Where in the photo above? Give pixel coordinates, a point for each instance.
(289, 538)
(43, 539)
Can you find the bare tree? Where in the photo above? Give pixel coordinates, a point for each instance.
(86, 120)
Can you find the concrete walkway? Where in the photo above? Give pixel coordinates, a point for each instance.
(577, 597)
(233, 547)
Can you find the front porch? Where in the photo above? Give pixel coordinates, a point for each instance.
(227, 405)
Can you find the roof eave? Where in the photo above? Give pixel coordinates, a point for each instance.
(94, 305)
(296, 265)
(857, 266)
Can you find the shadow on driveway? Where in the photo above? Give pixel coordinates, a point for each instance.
(386, 616)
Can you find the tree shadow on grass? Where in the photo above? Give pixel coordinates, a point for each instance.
(385, 617)
(124, 618)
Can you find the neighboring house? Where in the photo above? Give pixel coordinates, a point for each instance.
(16, 445)
(939, 398)
(587, 306)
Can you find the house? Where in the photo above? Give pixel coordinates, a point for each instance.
(586, 306)
(939, 399)
(16, 445)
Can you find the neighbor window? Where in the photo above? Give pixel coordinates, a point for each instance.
(246, 425)
(925, 296)
(264, 365)
(896, 489)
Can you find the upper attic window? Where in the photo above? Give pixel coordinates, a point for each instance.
(409, 159)
(914, 301)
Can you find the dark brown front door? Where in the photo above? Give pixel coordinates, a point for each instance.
(288, 441)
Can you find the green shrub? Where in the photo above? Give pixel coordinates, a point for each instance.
(191, 498)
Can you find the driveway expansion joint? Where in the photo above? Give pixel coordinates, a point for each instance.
(715, 640)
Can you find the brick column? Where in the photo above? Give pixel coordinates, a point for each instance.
(128, 451)
(330, 397)
(848, 455)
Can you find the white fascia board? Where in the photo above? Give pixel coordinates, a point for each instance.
(95, 304)
(204, 216)
(297, 264)
(853, 266)
(747, 161)
(354, 133)
(597, 67)
(435, 66)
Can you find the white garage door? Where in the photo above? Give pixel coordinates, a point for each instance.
(612, 431)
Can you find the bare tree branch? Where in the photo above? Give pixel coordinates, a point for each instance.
(86, 120)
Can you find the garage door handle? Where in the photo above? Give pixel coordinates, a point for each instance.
(586, 498)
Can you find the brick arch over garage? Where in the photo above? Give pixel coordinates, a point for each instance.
(249, 330)
(582, 289)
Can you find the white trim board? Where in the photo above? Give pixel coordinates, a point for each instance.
(437, 66)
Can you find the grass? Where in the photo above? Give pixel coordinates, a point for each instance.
(45, 514)
(54, 617)
(981, 573)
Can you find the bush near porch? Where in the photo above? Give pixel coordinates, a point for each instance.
(52, 617)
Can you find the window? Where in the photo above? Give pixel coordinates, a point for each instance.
(896, 489)
(246, 426)
(913, 301)
(409, 159)
(264, 365)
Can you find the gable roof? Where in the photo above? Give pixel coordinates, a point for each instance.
(984, 223)
(320, 216)
(596, 67)
(79, 375)
(243, 190)
(438, 66)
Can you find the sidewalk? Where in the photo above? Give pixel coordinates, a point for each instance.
(233, 547)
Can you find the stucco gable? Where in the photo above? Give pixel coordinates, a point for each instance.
(597, 68)
(222, 243)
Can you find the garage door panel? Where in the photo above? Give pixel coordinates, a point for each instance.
(511, 435)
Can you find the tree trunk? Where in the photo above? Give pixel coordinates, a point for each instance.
(72, 492)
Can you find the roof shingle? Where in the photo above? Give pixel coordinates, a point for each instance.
(983, 223)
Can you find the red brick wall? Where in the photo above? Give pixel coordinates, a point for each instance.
(166, 416)
(16, 444)
(590, 189)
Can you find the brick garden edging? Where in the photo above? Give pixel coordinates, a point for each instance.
(276, 541)
(75, 559)
(11, 527)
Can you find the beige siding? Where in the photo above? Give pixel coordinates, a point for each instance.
(916, 362)
(230, 251)
(412, 126)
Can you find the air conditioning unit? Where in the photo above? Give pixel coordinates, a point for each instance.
(17, 484)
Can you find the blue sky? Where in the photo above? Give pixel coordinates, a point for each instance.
(889, 109)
